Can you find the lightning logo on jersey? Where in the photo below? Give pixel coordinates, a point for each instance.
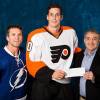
(62, 51)
(16, 81)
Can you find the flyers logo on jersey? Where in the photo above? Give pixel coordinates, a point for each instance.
(58, 52)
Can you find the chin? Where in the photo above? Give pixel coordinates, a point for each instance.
(91, 49)
(17, 45)
(54, 24)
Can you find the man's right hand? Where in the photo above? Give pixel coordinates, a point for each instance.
(58, 74)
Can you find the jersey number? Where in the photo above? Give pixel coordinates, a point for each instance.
(29, 46)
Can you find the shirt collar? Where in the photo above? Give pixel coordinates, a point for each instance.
(93, 53)
(9, 52)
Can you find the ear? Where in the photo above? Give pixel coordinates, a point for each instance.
(7, 38)
(47, 17)
(84, 40)
(61, 17)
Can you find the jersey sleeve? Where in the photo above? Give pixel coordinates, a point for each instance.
(76, 47)
(36, 67)
(75, 38)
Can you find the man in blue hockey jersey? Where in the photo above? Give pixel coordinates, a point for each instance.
(13, 74)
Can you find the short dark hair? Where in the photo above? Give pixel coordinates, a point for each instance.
(55, 6)
(12, 26)
(92, 31)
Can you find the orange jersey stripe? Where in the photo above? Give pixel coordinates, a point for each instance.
(66, 27)
(33, 67)
(37, 31)
(78, 50)
(40, 30)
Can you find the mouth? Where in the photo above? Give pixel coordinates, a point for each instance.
(54, 21)
(16, 41)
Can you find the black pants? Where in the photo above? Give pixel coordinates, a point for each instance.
(51, 91)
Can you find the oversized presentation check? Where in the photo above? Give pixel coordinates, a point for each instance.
(75, 72)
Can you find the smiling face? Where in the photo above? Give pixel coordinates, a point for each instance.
(54, 17)
(14, 37)
(91, 41)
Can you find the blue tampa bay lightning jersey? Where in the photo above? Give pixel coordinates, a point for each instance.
(13, 75)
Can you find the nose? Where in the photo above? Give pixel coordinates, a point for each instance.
(17, 37)
(91, 41)
(54, 17)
